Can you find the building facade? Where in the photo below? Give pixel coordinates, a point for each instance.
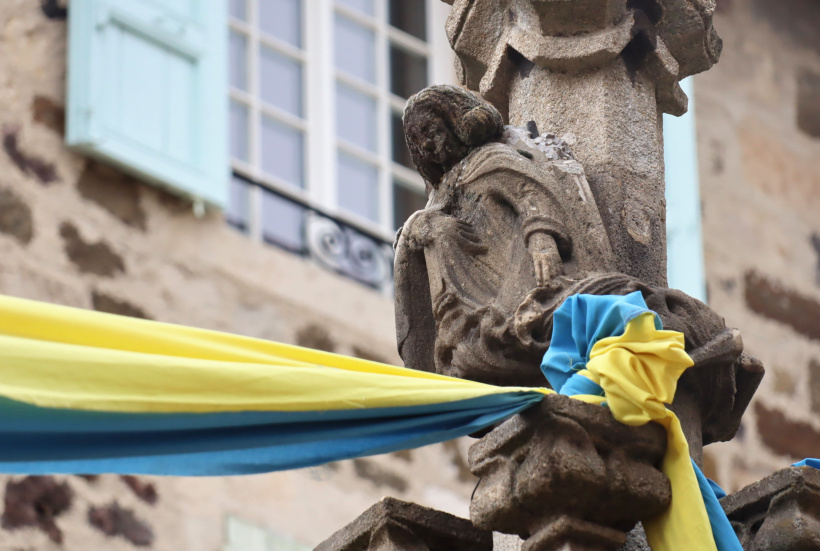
(313, 180)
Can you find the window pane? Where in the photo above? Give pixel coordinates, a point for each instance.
(282, 19)
(239, 131)
(282, 152)
(358, 187)
(282, 221)
(238, 52)
(355, 117)
(365, 6)
(401, 154)
(409, 16)
(408, 72)
(238, 9)
(280, 81)
(238, 211)
(355, 48)
(406, 201)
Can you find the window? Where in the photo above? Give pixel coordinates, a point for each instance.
(317, 91)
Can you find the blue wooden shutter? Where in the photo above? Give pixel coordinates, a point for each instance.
(147, 91)
(684, 241)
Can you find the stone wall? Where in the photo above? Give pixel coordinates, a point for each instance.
(758, 111)
(75, 232)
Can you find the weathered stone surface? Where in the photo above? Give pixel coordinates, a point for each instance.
(103, 302)
(90, 258)
(397, 525)
(36, 501)
(603, 70)
(796, 439)
(146, 491)
(512, 229)
(117, 193)
(316, 337)
(567, 473)
(808, 103)
(15, 217)
(814, 384)
(770, 299)
(779, 513)
(113, 520)
(48, 113)
(27, 163)
(815, 245)
(378, 475)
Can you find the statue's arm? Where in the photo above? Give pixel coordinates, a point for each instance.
(415, 325)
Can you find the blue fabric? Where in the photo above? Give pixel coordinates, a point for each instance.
(720, 493)
(722, 531)
(808, 462)
(579, 323)
(37, 440)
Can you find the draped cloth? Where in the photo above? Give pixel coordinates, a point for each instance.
(612, 349)
(88, 392)
(85, 392)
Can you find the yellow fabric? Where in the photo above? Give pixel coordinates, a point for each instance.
(639, 371)
(59, 357)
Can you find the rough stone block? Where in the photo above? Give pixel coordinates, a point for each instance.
(393, 524)
(779, 513)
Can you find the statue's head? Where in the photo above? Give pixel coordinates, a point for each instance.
(442, 124)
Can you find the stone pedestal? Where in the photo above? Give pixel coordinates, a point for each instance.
(567, 476)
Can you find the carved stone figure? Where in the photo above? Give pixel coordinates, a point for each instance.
(510, 230)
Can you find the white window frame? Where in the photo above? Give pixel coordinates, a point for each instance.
(320, 143)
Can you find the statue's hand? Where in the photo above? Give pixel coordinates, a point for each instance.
(432, 225)
(546, 258)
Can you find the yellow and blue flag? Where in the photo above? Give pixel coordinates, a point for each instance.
(88, 392)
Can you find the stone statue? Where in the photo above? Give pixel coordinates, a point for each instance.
(518, 220)
(503, 219)
(510, 230)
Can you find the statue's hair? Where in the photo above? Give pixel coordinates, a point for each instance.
(472, 120)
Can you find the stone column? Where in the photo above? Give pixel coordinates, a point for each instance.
(603, 71)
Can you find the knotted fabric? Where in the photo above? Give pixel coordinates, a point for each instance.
(614, 351)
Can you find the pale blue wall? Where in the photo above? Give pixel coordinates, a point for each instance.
(683, 220)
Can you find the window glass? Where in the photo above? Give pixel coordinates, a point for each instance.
(238, 9)
(239, 131)
(282, 19)
(280, 81)
(238, 54)
(408, 72)
(401, 154)
(282, 152)
(409, 16)
(355, 49)
(358, 187)
(282, 221)
(364, 6)
(356, 117)
(238, 211)
(406, 201)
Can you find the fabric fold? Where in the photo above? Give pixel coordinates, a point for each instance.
(615, 347)
(86, 392)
